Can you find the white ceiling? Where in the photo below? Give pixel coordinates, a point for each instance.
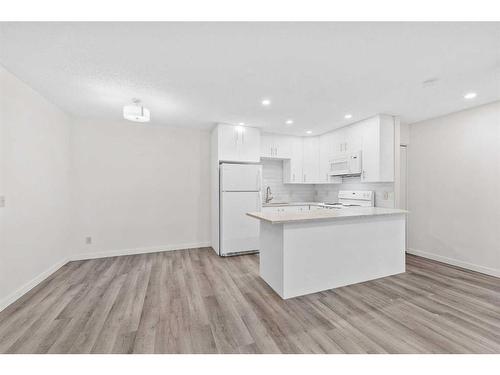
(196, 74)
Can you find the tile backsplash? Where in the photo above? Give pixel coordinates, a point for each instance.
(272, 175)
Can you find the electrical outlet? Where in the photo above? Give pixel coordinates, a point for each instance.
(88, 240)
(2, 201)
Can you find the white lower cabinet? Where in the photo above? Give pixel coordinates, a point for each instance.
(279, 209)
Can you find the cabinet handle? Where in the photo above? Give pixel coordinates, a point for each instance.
(304, 178)
(293, 177)
(276, 151)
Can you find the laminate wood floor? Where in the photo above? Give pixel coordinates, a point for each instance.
(192, 301)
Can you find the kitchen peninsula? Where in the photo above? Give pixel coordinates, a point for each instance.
(310, 251)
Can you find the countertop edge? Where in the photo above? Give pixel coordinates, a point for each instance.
(305, 220)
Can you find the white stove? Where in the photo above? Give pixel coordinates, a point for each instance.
(353, 198)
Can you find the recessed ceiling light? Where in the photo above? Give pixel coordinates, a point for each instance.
(348, 116)
(309, 131)
(470, 95)
(241, 123)
(265, 102)
(289, 122)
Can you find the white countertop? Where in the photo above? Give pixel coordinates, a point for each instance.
(326, 214)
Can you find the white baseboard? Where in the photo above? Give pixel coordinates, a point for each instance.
(455, 262)
(30, 284)
(83, 256)
(141, 250)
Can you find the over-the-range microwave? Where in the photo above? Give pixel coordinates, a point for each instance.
(347, 164)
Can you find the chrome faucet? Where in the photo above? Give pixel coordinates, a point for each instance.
(269, 195)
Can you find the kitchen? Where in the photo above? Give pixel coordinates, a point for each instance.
(364, 150)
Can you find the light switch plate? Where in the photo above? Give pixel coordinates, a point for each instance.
(2, 201)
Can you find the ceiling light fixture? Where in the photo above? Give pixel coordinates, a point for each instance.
(348, 116)
(289, 122)
(470, 95)
(241, 124)
(136, 112)
(309, 131)
(265, 102)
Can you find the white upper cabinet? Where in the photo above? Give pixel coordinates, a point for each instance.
(378, 149)
(306, 160)
(347, 139)
(327, 147)
(353, 138)
(292, 168)
(339, 141)
(276, 146)
(310, 163)
(325, 154)
(238, 143)
(267, 145)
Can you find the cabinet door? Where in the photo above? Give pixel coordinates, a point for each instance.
(270, 209)
(267, 145)
(339, 143)
(353, 136)
(292, 168)
(386, 148)
(283, 146)
(310, 167)
(228, 143)
(326, 146)
(370, 151)
(248, 144)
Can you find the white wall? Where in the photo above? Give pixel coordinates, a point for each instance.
(131, 187)
(454, 187)
(34, 178)
(139, 187)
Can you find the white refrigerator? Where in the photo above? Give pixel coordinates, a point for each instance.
(240, 192)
